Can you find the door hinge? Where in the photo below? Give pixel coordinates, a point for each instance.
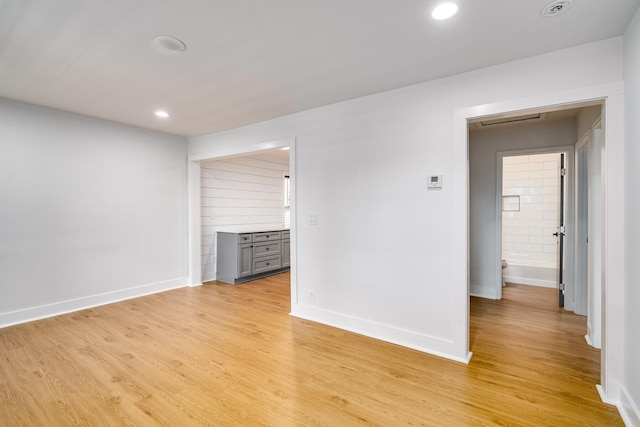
(562, 287)
(563, 171)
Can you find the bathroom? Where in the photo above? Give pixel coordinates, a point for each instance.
(530, 218)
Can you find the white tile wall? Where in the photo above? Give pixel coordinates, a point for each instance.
(527, 234)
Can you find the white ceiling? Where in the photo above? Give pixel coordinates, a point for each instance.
(252, 60)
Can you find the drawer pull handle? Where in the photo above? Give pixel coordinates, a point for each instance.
(267, 248)
(267, 263)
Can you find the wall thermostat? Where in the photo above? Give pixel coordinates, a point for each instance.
(435, 181)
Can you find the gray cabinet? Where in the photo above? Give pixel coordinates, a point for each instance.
(244, 260)
(286, 257)
(246, 256)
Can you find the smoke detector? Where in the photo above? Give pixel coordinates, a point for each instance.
(556, 8)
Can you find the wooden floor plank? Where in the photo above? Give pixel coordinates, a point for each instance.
(231, 355)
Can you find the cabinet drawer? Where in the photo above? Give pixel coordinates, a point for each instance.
(266, 264)
(266, 237)
(245, 238)
(267, 248)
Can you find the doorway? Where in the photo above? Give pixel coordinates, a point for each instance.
(242, 193)
(610, 96)
(488, 146)
(612, 234)
(533, 201)
(223, 151)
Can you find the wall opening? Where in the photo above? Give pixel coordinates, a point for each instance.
(242, 193)
(530, 218)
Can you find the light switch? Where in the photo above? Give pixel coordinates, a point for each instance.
(313, 218)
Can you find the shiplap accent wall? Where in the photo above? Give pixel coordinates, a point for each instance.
(240, 193)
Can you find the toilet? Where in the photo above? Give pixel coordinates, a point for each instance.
(504, 265)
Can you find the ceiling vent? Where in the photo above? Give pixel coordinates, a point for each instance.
(556, 8)
(168, 44)
(508, 120)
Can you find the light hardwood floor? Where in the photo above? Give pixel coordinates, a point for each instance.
(231, 355)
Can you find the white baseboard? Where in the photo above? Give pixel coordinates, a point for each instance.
(482, 291)
(428, 344)
(603, 396)
(208, 278)
(529, 281)
(587, 338)
(62, 307)
(628, 409)
(532, 275)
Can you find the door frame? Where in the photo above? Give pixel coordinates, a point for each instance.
(194, 221)
(611, 96)
(588, 211)
(569, 214)
(582, 178)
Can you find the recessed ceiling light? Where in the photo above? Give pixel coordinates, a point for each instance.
(168, 44)
(556, 8)
(162, 114)
(444, 11)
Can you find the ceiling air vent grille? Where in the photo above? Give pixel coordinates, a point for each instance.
(556, 8)
(506, 120)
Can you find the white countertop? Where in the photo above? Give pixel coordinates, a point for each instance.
(238, 230)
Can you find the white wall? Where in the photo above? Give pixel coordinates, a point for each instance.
(528, 243)
(90, 211)
(381, 260)
(484, 146)
(240, 193)
(631, 391)
(587, 116)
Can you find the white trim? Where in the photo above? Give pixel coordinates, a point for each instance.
(432, 345)
(587, 338)
(221, 153)
(497, 260)
(603, 396)
(527, 281)
(293, 226)
(628, 409)
(63, 307)
(460, 237)
(485, 291)
(612, 95)
(613, 279)
(194, 227)
(581, 177)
